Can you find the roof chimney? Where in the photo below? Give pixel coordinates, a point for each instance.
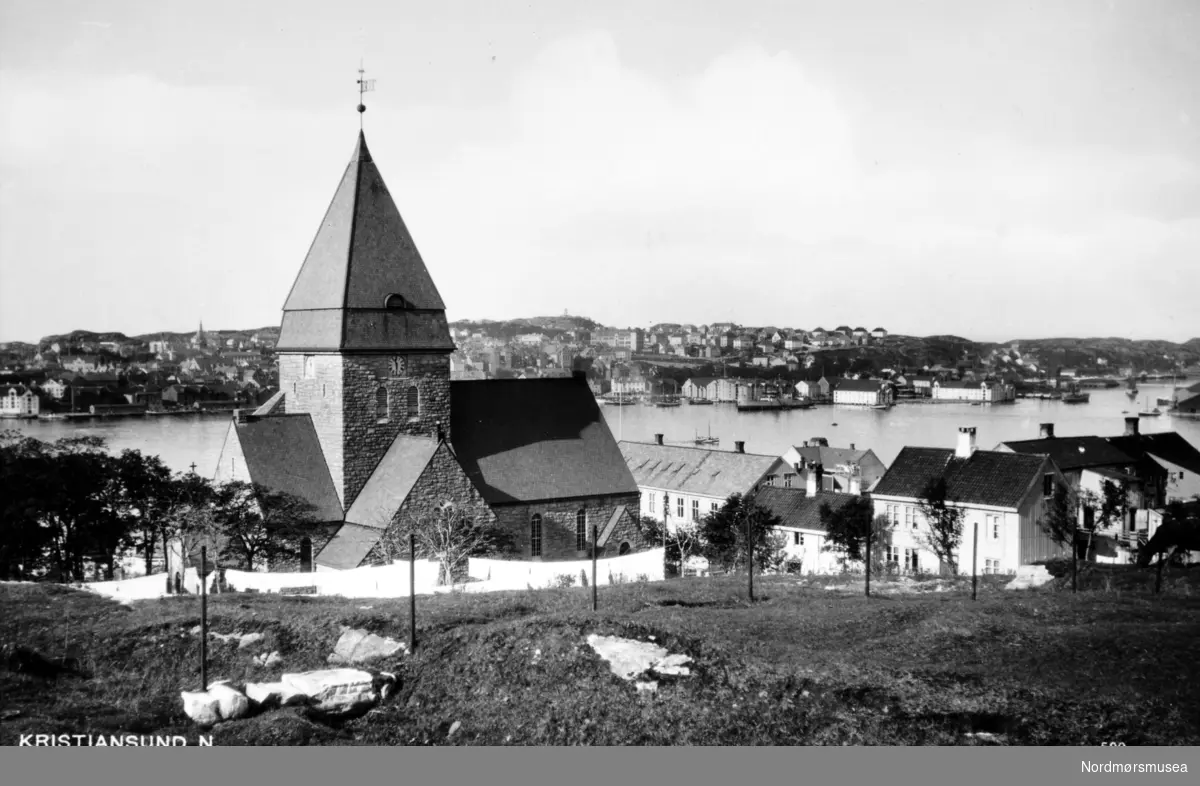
(855, 480)
(658, 439)
(966, 442)
(1131, 427)
(852, 446)
(811, 483)
(739, 447)
(1046, 431)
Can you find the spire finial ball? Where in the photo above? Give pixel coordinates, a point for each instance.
(362, 108)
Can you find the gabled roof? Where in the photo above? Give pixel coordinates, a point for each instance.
(362, 255)
(349, 547)
(695, 470)
(796, 509)
(283, 454)
(987, 477)
(1070, 453)
(535, 439)
(389, 485)
(829, 458)
(1169, 445)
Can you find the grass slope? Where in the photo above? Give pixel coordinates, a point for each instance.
(803, 666)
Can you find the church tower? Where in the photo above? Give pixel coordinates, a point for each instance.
(364, 347)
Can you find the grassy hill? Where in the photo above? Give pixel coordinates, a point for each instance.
(804, 665)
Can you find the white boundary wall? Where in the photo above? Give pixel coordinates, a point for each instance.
(391, 581)
(502, 574)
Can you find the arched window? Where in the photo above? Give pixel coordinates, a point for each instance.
(414, 402)
(381, 404)
(625, 548)
(581, 537)
(396, 301)
(306, 565)
(535, 535)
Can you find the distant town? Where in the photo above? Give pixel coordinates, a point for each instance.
(85, 374)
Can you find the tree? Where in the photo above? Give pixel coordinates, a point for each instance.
(144, 496)
(943, 523)
(259, 525)
(451, 535)
(679, 542)
(723, 534)
(1114, 503)
(1060, 522)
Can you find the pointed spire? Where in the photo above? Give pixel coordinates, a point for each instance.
(363, 259)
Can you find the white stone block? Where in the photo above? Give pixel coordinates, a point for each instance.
(334, 691)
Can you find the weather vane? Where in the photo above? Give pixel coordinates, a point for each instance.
(364, 86)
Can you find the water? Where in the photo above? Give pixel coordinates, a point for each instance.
(181, 440)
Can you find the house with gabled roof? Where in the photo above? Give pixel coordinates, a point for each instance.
(1002, 494)
(805, 535)
(369, 428)
(682, 483)
(845, 470)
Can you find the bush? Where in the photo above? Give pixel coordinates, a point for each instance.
(563, 581)
(1057, 567)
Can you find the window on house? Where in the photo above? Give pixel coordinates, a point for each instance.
(679, 507)
(414, 402)
(1048, 484)
(714, 507)
(581, 538)
(695, 510)
(910, 560)
(535, 535)
(381, 405)
(651, 502)
(795, 538)
(787, 479)
(908, 517)
(995, 528)
(893, 554)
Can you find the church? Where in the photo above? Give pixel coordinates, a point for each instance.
(369, 429)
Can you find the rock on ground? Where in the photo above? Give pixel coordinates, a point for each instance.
(629, 658)
(358, 646)
(335, 691)
(221, 702)
(268, 660)
(273, 694)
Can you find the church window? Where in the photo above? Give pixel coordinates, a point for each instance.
(381, 405)
(535, 535)
(625, 548)
(310, 366)
(581, 530)
(414, 402)
(396, 301)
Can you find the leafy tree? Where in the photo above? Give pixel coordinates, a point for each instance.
(143, 498)
(1114, 503)
(943, 523)
(259, 525)
(679, 542)
(723, 534)
(451, 535)
(1061, 518)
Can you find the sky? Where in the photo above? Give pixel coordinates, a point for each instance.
(994, 170)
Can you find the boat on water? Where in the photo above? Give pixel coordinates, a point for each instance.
(699, 401)
(1149, 413)
(881, 406)
(618, 401)
(1074, 395)
(666, 403)
(1165, 402)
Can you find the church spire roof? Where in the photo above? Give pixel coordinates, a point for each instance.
(363, 284)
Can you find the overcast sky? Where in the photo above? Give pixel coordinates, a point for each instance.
(996, 170)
